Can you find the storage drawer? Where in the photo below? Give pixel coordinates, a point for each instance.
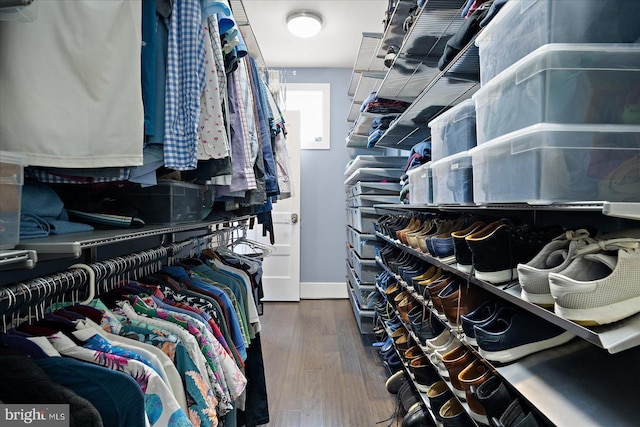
(362, 219)
(549, 163)
(365, 269)
(362, 291)
(380, 188)
(364, 244)
(370, 200)
(522, 26)
(364, 318)
(11, 182)
(565, 83)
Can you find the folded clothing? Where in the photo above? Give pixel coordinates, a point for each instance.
(43, 213)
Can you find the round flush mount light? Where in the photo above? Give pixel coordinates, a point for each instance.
(304, 24)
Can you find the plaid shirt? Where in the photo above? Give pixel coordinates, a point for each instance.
(185, 83)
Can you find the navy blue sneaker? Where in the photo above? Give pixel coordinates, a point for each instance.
(483, 314)
(513, 333)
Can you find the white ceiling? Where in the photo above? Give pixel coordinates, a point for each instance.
(336, 45)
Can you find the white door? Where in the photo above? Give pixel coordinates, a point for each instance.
(281, 276)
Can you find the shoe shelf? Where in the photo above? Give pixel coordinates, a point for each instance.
(423, 396)
(18, 259)
(367, 63)
(394, 34)
(614, 338)
(576, 384)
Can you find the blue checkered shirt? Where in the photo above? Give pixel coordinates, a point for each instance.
(185, 82)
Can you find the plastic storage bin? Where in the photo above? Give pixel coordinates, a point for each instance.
(169, 202)
(562, 83)
(364, 244)
(522, 26)
(420, 182)
(11, 181)
(362, 219)
(453, 180)
(18, 10)
(550, 163)
(454, 131)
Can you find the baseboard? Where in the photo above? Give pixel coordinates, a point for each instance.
(323, 290)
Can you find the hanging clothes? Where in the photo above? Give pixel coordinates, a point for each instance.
(67, 105)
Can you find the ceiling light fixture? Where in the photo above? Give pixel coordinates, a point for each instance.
(304, 24)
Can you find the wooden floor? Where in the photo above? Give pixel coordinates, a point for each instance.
(319, 371)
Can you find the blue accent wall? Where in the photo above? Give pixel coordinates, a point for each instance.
(322, 203)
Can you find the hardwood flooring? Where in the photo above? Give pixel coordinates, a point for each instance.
(320, 371)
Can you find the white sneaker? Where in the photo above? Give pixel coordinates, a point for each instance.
(439, 342)
(554, 257)
(601, 285)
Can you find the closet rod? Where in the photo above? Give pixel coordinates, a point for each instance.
(22, 295)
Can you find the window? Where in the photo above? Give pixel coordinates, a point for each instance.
(312, 100)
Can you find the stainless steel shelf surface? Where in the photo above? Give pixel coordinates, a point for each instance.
(367, 60)
(439, 92)
(422, 47)
(614, 338)
(18, 259)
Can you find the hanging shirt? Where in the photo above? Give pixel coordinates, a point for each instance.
(190, 343)
(230, 377)
(212, 133)
(161, 407)
(196, 284)
(202, 403)
(185, 82)
(116, 395)
(161, 363)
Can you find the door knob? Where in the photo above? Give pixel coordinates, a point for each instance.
(294, 218)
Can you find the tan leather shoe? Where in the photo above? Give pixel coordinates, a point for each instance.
(455, 361)
(474, 375)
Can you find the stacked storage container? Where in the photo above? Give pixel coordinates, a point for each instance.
(558, 113)
(453, 134)
(11, 181)
(371, 180)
